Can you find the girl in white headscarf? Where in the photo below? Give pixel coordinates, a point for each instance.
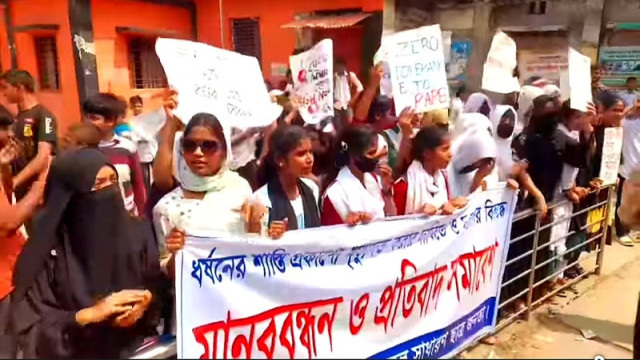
(478, 103)
(473, 161)
(503, 122)
(528, 93)
(210, 198)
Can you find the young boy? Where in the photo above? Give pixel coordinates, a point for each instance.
(105, 110)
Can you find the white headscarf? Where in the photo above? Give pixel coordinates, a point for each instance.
(475, 101)
(475, 145)
(528, 93)
(190, 181)
(504, 160)
(471, 121)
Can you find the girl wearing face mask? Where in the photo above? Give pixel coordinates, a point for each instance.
(357, 195)
(478, 103)
(290, 197)
(84, 282)
(424, 189)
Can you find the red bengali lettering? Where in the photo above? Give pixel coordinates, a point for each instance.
(247, 333)
(472, 270)
(410, 288)
(358, 312)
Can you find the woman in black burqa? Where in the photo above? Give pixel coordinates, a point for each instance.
(84, 282)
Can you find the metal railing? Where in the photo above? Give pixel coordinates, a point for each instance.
(165, 348)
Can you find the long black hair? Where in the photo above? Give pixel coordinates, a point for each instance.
(428, 138)
(354, 141)
(284, 140)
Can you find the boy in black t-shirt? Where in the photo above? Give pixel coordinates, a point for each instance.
(34, 127)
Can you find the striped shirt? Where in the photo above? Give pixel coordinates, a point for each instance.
(123, 155)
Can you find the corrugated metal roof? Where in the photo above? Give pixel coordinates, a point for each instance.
(327, 22)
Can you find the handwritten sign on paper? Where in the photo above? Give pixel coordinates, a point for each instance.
(579, 80)
(497, 75)
(221, 82)
(611, 150)
(418, 72)
(313, 81)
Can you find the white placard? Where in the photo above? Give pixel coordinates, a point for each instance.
(579, 80)
(497, 75)
(402, 288)
(221, 82)
(382, 56)
(611, 153)
(418, 69)
(312, 73)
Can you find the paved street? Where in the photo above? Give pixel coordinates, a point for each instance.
(599, 321)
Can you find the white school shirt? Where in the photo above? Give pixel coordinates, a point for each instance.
(262, 195)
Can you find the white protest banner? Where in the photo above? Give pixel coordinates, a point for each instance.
(312, 73)
(497, 74)
(418, 69)
(579, 80)
(611, 153)
(221, 82)
(402, 288)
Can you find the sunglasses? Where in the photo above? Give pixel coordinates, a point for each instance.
(208, 147)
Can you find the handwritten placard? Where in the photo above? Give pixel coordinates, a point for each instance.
(611, 150)
(221, 82)
(313, 81)
(418, 71)
(497, 75)
(579, 80)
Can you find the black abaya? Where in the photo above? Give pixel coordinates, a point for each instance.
(85, 247)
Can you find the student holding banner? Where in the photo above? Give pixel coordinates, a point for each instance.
(289, 195)
(357, 195)
(424, 189)
(210, 197)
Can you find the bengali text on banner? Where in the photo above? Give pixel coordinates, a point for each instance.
(401, 288)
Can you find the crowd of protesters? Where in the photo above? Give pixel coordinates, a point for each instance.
(90, 221)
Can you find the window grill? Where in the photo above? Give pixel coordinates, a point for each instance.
(146, 69)
(47, 62)
(246, 37)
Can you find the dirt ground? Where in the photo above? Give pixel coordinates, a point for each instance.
(595, 319)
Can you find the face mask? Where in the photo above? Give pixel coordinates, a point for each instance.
(366, 164)
(506, 125)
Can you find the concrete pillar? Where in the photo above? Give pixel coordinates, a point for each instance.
(591, 28)
(389, 17)
(482, 35)
(84, 48)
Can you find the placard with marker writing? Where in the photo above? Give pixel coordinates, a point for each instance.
(418, 71)
(312, 73)
(217, 81)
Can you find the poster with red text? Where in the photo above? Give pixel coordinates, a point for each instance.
(407, 287)
(312, 73)
(418, 69)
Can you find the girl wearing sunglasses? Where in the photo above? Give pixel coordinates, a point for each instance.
(210, 198)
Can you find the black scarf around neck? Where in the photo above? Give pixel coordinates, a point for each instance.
(281, 205)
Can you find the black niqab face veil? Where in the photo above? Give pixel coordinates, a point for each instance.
(101, 244)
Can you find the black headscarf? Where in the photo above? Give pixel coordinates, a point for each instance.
(109, 249)
(281, 205)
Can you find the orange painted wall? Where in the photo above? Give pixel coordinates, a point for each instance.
(111, 47)
(5, 58)
(277, 43)
(64, 102)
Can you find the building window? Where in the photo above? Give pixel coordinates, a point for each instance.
(146, 69)
(246, 37)
(538, 7)
(47, 61)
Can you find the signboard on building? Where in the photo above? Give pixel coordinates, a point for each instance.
(547, 64)
(617, 63)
